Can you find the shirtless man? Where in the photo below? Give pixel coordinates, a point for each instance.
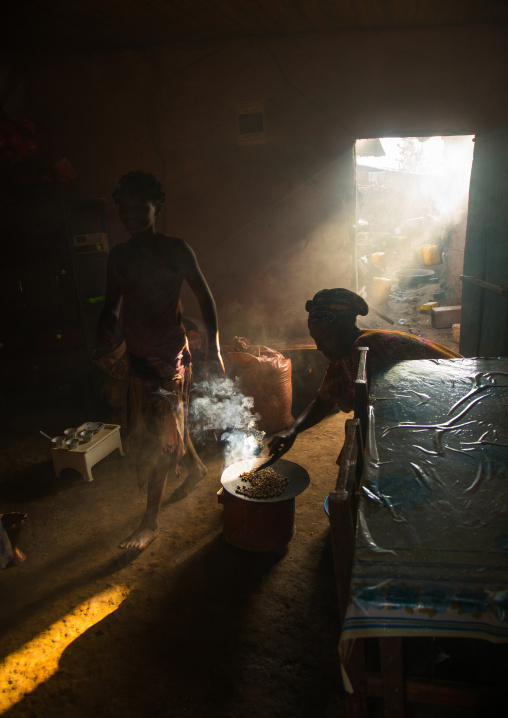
(144, 280)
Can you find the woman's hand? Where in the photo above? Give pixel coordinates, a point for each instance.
(312, 415)
(281, 443)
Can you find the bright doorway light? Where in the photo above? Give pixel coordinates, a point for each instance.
(445, 162)
(412, 198)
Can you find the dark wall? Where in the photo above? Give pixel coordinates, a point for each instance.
(271, 223)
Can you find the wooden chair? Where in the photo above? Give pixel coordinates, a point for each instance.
(362, 392)
(342, 506)
(343, 501)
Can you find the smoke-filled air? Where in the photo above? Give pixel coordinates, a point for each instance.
(219, 410)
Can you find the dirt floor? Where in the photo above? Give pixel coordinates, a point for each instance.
(197, 627)
(403, 308)
(193, 626)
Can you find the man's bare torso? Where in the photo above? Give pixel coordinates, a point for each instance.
(150, 277)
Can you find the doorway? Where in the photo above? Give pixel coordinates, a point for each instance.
(411, 216)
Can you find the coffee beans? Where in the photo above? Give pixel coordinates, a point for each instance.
(264, 484)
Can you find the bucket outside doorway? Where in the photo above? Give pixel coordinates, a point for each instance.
(380, 290)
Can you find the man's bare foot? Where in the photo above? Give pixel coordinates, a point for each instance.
(140, 539)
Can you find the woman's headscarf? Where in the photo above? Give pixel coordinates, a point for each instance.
(328, 304)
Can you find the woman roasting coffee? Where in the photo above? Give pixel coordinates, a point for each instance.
(332, 325)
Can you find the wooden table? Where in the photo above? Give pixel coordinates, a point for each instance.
(431, 549)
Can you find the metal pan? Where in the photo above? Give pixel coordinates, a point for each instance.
(298, 477)
(413, 277)
(94, 426)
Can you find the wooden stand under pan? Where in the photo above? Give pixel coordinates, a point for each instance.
(260, 524)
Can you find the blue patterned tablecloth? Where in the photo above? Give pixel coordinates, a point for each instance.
(431, 553)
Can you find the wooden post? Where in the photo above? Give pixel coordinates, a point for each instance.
(392, 670)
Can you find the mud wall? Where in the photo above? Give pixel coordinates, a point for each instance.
(270, 223)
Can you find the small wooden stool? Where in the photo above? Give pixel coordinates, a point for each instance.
(86, 455)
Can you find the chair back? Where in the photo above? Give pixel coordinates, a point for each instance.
(342, 508)
(362, 391)
(343, 501)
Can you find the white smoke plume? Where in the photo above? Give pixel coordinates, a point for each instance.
(219, 409)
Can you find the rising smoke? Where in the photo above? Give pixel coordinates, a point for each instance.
(219, 411)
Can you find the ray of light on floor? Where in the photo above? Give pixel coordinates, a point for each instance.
(36, 661)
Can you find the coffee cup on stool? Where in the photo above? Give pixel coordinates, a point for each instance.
(73, 443)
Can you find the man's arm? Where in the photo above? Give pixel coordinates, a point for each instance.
(108, 319)
(189, 268)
